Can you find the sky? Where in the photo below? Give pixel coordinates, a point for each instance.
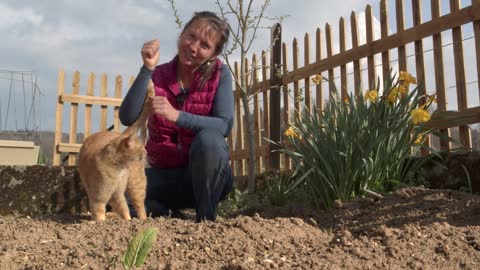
(42, 37)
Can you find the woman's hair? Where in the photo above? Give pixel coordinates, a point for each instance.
(216, 25)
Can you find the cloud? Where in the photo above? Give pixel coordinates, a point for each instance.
(13, 17)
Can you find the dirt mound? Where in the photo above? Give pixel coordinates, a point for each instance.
(413, 228)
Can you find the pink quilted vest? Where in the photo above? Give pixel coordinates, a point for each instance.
(168, 145)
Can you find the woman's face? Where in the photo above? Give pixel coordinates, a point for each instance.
(197, 45)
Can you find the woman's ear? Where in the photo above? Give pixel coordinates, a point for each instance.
(211, 60)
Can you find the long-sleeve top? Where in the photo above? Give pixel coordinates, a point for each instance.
(220, 119)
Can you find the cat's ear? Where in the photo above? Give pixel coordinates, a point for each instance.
(128, 141)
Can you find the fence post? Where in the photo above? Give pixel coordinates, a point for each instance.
(58, 118)
(275, 94)
(476, 30)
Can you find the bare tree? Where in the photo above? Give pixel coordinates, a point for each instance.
(248, 24)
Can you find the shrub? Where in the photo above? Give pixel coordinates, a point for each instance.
(274, 187)
(359, 144)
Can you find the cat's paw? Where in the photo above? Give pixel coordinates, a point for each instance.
(98, 217)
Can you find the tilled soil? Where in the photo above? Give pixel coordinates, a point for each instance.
(413, 228)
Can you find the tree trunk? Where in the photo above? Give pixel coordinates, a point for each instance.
(251, 144)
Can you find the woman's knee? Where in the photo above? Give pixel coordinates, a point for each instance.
(209, 140)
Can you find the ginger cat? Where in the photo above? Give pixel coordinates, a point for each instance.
(110, 163)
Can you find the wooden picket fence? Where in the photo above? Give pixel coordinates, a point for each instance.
(277, 115)
(272, 78)
(72, 147)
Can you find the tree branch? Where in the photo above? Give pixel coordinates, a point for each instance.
(178, 21)
(255, 28)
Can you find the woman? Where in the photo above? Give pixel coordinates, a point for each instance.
(191, 115)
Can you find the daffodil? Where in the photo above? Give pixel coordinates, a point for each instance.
(432, 98)
(403, 91)
(419, 138)
(393, 95)
(290, 132)
(406, 79)
(317, 79)
(420, 115)
(371, 95)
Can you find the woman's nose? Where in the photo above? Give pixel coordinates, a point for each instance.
(194, 46)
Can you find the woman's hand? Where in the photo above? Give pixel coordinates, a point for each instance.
(161, 106)
(150, 53)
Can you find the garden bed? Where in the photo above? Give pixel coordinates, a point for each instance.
(413, 228)
(44, 225)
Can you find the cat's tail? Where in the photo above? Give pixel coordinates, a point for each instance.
(141, 121)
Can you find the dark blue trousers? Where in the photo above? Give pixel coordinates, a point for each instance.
(202, 185)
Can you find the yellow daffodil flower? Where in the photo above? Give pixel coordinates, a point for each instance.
(393, 95)
(406, 79)
(403, 91)
(317, 79)
(290, 132)
(419, 138)
(371, 95)
(432, 98)
(420, 115)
